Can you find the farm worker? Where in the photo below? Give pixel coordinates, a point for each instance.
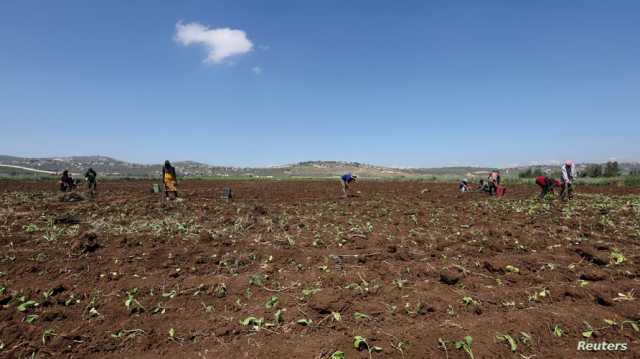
(170, 180)
(347, 179)
(547, 185)
(463, 186)
(90, 176)
(494, 181)
(66, 182)
(568, 174)
(483, 186)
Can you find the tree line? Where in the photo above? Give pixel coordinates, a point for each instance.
(609, 169)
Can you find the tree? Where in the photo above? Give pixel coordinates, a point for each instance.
(592, 171)
(531, 172)
(611, 169)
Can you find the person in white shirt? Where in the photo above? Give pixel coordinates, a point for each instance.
(568, 174)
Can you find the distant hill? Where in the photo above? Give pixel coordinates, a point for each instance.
(110, 167)
(107, 166)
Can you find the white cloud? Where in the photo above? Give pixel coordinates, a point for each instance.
(257, 70)
(220, 43)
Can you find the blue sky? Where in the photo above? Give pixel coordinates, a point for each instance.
(402, 83)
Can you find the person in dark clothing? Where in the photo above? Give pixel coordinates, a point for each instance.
(90, 176)
(494, 182)
(547, 185)
(66, 182)
(170, 180)
(346, 180)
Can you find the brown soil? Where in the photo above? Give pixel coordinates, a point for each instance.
(404, 264)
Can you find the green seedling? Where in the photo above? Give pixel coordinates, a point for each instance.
(525, 338)
(469, 301)
(48, 334)
(414, 311)
(391, 308)
(399, 283)
(159, 309)
(71, 301)
(509, 340)
(617, 257)
(131, 303)
(336, 316)
(47, 294)
(318, 243)
(257, 279)
(252, 321)
(172, 334)
(239, 303)
(26, 305)
(309, 292)
(610, 322)
(359, 316)
(511, 269)
(207, 308)
(122, 333)
(271, 303)
(443, 344)
(557, 331)
(172, 294)
(52, 231)
(588, 332)
(31, 318)
(248, 293)
(465, 345)
(304, 322)
(30, 228)
(279, 315)
(537, 296)
(360, 343)
(625, 296)
(337, 355)
(220, 290)
(2, 289)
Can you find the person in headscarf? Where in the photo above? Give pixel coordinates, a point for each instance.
(568, 170)
(66, 182)
(346, 180)
(170, 180)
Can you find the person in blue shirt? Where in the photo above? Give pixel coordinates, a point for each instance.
(346, 180)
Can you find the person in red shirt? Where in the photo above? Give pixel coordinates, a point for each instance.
(547, 185)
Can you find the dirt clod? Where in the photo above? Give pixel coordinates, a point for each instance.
(450, 277)
(87, 242)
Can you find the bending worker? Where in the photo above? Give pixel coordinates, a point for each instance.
(346, 180)
(547, 185)
(66, 182)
